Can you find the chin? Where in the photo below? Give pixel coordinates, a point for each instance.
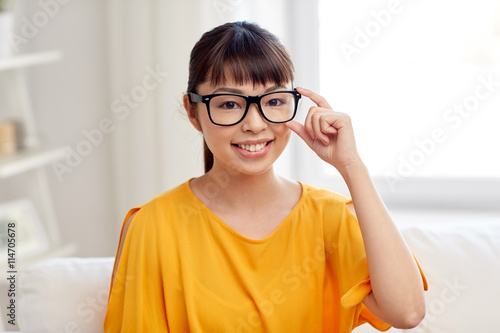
(252, 171)
(245, 169)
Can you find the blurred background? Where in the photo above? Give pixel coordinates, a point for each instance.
(92, 124)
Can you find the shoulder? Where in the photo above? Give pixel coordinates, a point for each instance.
(143, 224)
(323, 196)
(168, 202)
(180, 193)
(333, 209)
(159, 213)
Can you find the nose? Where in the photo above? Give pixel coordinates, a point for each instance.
(254, 121)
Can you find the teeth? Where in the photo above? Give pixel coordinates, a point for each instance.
(253, 147)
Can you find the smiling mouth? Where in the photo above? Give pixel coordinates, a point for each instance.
(253, 148)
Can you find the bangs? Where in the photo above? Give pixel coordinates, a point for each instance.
(247, 57)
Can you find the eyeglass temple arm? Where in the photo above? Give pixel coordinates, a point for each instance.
(195, 98)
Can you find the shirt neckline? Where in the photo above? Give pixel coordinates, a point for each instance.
(220, 222)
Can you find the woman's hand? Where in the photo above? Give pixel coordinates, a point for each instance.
(328, 133)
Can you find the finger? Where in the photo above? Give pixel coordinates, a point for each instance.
(318, 123)
(318, 99)
(301, 131)
(308, 122)
(328, 126)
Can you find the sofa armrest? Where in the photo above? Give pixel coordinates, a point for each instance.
(64, 295)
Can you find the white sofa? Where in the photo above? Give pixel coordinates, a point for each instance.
(64, 295)
(461, 262)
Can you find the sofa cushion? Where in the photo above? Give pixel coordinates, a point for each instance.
(462, 266)
(64, 295)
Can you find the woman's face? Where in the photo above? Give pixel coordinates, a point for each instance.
(251, 146)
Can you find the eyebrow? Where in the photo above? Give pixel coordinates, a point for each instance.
(238, 91)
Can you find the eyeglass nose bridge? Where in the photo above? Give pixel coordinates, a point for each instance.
(255, 99)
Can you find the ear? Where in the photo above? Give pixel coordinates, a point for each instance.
(191, 112)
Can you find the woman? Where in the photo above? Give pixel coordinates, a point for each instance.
(242, 249)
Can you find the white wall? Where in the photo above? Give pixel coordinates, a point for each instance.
(69, 97)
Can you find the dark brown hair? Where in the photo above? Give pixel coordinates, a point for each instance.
(239, 51)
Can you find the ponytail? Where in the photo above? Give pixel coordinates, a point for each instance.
(208, 157)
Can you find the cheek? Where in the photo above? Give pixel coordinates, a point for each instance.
(216, 137)
(288, 133)
(285, 133)
(206, 127)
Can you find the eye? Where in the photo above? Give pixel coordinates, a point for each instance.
(274, 102)
(229, 105)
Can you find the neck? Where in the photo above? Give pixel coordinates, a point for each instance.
(237, 190)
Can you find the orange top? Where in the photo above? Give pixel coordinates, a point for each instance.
(182, 269)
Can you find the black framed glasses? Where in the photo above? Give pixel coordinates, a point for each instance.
(231, 109)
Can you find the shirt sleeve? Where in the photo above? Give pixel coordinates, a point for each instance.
(356, 294)
(350, 269)
(136, 299)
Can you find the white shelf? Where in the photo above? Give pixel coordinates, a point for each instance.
(31, 59)
(34, 158)
(28, 160)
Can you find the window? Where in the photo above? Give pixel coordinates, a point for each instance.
(421, 81)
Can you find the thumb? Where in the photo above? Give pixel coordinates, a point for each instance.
(301, 131)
